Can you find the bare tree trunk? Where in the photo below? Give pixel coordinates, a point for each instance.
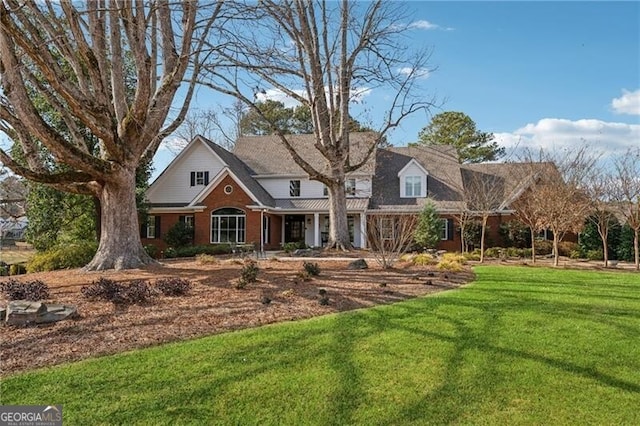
(463, 248)
(484, 228)
(604, 234)
(338, 226)
(533, 245)
(556, 252)
(636, 249)
(120, 246)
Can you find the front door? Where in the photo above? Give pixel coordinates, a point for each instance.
(293, 228)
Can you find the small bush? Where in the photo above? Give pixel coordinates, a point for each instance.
(289, 293)
(449, 265)
(493, 252)
(544, 247)
(474, 255)
(575, 254)
(17, 269)
(206, 259)
(324, 301)
(68, 256)
(103, 289)
(191, 251)
(137, 292)
(170, 252)
(291, 247)
(4, 269)
(311, 268)
(566, 247)
(248, 274)
(31, 290)
(179, 235)
(595, 254)
(173, 286)
(424, 259)
(454, 257)
(151, 250)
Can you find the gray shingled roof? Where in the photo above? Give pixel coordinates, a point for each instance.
(319, 204)
(243, 172)
(444, 181)
(266, 155)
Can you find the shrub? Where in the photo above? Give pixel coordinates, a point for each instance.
(454, 257)
(566, 247)
(17, 269)
(31, 290)
(173, 286)
(595, 254)
(311, 268)
(179, 235)
(474, 255)
(248, 274)
(205, 259)
(424, 259)
(544, 247)
(494, 252)
(137, 292)
(63, 257)
(429, 228)
(291, 247)
(4, 269)
(151, 250)
(449, 265)
(191, 251)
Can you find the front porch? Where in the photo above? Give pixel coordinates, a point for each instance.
(313, 229)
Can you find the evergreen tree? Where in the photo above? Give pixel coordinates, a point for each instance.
(429, 228)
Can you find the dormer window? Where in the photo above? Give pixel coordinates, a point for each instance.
(413, 186)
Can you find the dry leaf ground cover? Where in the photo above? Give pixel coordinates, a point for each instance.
(213, 305)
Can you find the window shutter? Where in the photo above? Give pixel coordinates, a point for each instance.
(193, 178)
(206, 178)
(449, 229)
(181, 219)
(157, 226)
(143, 228)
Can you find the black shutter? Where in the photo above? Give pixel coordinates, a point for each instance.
(157, 226)
(206, 178)
(181, 219)
(449, 229)
(193, 178)
(143, 228)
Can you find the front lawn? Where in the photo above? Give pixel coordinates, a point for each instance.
(519, 346)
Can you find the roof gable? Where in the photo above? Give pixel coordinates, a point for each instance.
(413, 162)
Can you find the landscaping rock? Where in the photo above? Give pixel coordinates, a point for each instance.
(358, 264)
(304, 253)
(26, 312)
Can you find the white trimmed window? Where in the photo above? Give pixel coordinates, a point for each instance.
(350, 187)
(151, 226)
(228, 226)
(413, 186)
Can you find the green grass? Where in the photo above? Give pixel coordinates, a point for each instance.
(520, 346)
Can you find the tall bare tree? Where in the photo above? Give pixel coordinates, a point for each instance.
(600, 189)
(559, 198)
(323, 55)
(78, 56)
(627, 195)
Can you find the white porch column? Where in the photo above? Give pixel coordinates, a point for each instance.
(316, 230)
(363, 230)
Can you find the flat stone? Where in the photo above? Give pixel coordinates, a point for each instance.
(358, 264)
(26, 312)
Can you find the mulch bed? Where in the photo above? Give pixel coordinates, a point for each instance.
(213, 306)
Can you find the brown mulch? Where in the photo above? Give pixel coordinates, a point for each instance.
(213, 306)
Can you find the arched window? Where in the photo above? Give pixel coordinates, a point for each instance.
(228, 226)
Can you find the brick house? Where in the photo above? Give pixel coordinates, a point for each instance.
(258, 194)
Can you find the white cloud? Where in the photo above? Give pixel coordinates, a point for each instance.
(426, 25)
(557, 133)
(628, 103)
(357, 95)
(419, 73)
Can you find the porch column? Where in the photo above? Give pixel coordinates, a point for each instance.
(316, 229)
(363, 230)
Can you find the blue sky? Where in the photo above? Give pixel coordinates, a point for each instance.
(536, 74)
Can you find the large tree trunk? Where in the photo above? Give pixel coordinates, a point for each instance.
(120, 246)
(338, 227)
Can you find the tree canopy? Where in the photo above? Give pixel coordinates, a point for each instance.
(458, 130)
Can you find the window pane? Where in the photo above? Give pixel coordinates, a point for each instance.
(294, 188)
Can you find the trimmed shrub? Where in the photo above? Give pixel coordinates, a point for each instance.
(205, 259)
(424, 259)
(311, 268)
(566, 247)
(248, 274)
(179, 235)
(595, 254)
(291, 247)
(474, 255)
(173, 286)
(31, 290)
(454, 257)
(151, 250)
(544, 247)
(449, 265)
(4, 269)
(494, 252)
(69, 256)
